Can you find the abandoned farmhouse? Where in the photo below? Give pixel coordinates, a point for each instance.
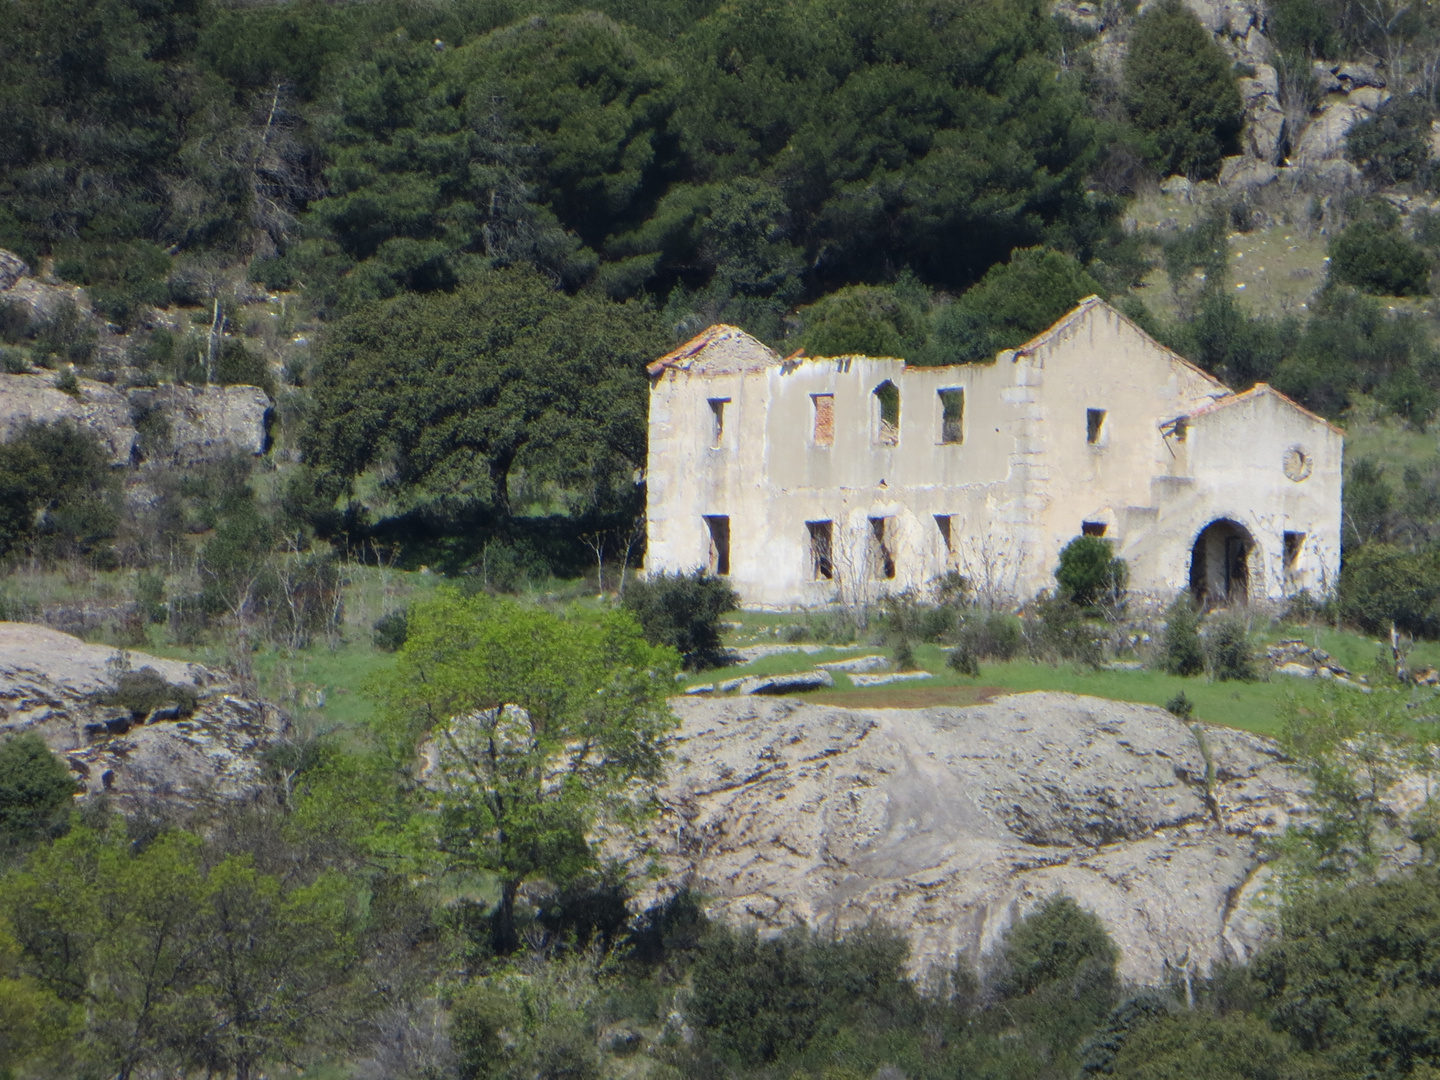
(810, 481)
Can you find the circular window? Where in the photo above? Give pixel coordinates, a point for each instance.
(1297, 463)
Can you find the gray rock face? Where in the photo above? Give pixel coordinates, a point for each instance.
(46, 682)
(1324, 137)
(949, 823)
(12, 269)
(209, 422)
(1243, 173)
(33, 398)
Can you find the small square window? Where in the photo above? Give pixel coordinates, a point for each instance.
(952, 416)
(822, 539)
(717, 419)
(1092, 528)
(1094, 425)
(718, 561)
(824, 419)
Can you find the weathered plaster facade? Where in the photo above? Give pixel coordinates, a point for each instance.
(796, 478)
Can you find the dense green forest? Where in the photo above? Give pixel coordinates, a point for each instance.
(565, 189)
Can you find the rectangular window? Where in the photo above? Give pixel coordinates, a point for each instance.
(1094, 425)
(718, 561)
(1294, 543)
(882, 557)
(942, 522)
(887, 410)
(717, 419)
(952, 416)
(1092, 528)
(822, 541)
(824, 419)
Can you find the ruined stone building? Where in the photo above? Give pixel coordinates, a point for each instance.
(810, 481)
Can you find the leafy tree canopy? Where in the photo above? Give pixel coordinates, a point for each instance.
(546, 728)
(452, 392)
(1012, 303)
(1181, 93)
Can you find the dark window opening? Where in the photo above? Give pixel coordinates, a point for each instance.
(942, 522)
(1092, 528)
(882, 559)
(824, 419)
(887, 401)
(718, 561)
(822, 539)
(952, 416)
(1094, 424)
(1294, 542)
(717, 417)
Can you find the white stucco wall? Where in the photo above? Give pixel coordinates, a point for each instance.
(1016, 489)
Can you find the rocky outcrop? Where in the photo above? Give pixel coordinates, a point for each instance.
(33, 398)
(949, 823)
(1324, 136)
(12, 269)
(205, 423)
(48, 685)
(211, 421)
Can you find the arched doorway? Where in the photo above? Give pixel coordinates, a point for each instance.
(1220, 564)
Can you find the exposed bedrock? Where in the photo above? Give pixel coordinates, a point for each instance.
(949, 823)
(48, 685)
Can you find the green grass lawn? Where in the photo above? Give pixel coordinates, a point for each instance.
(324, 685)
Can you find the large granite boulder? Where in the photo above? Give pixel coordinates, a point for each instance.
(211, 421)
(949, 823)
(49, 682)
(1324, 136)
(33, 398)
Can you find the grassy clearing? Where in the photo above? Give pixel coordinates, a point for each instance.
(324, 685)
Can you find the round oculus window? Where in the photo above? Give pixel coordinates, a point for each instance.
(1297, 463)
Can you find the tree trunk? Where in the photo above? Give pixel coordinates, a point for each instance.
(503, 937)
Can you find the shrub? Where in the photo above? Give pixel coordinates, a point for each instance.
(1181, 652)
(238, 366)
(56, 486)
(996, 636)
(67, 383)
(1089, 574)
(1180, 706)
(1181, 92)
(1059, 631)
(759, 1001)
(1229, 652)
(1057, 941)
(906, 617)
(35, 791)
(119, 277)
(865, 319)
(391, 630)
(905, 656)
(1373, 255)
(1010, 304)
(1382, 583)
(1393, 145)
(682, 611)
(64, 336)
(963, 660)
(142, 692)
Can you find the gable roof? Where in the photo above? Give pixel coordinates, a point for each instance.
(1086, 309)
(1261, 389)
(720, 350)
